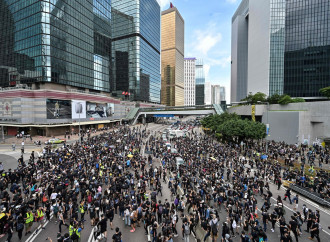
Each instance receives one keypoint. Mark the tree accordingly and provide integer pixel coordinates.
(274, 99)
(230, 127)
(325, 92)
(255, 98)
(285, 99)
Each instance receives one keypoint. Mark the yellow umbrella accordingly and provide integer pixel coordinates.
(213, 158)
(130, 156)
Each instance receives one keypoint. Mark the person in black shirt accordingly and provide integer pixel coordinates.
(117, 236)
(315, 231)
(103, 226)
(286, 237)
(294, 227)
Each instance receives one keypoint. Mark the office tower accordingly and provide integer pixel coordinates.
(222, 94)
(200, 82)
(216, 94)
(307, 48)
(56, 42)
(93, 45)
(208, 93)
(136, 49)
(280, 46)
(257, 47)
(189, 81)
(172, 57)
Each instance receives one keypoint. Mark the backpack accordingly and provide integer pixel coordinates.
(74, 236)
(247, 238)
(117, 238)
(19, 226)
(160, 209)
(186, 229)
(55, 209)
(214, 228)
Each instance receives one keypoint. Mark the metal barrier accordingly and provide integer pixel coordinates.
(315, 197)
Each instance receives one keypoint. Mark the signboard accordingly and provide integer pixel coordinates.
(7, 108)
(110, 109)
(78, 109)
(163, 115)
(58, 109)
(96, 110)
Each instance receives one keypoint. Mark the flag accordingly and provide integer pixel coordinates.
(171, 5)
(123, 93)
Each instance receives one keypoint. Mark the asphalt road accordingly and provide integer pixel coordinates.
(51, 227)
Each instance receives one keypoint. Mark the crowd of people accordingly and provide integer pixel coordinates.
(108, 175)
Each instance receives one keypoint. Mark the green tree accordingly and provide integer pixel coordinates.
(285, 99)
(255, 98)
(325, 92)
(298, 100)
(274, 99)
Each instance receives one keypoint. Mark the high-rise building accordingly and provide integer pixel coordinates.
(97, 45)
(200, 82)
(208, 93)
(189, 81)
(280, 46)
(216, 94)
(172, 57)
(307, 48)
(222, 94)
(56, 42)
(257, 48)
(136, 49)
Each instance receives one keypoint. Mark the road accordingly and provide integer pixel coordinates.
(51, 227)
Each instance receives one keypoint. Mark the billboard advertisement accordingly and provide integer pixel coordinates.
(78, 109)
(96, 110)
(58, 109)
(110, 109)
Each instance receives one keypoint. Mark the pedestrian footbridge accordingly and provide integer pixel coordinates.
(137, 113)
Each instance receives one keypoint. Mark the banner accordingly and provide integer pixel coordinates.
(96, 110)
(110, 109)
(253, 112)
(78, 109)
(58, 109)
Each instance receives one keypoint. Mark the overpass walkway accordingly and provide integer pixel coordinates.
(135, 113)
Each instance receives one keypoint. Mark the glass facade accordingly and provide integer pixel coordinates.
(200, 82)
(136, 49)
(277, 44)
(103, 45)
(66, 42)
(172, 62)
(307, 47)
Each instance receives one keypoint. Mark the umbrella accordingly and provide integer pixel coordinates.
(106, 145)
(213, 158)
(130, 155)
(112, 146)
(264, 157)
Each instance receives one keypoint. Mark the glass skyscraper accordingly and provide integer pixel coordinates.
(65, 42)
(307, 47)
(101, 45)
(280, 47)
(136, 49)
(277, 44)
(200, 82)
